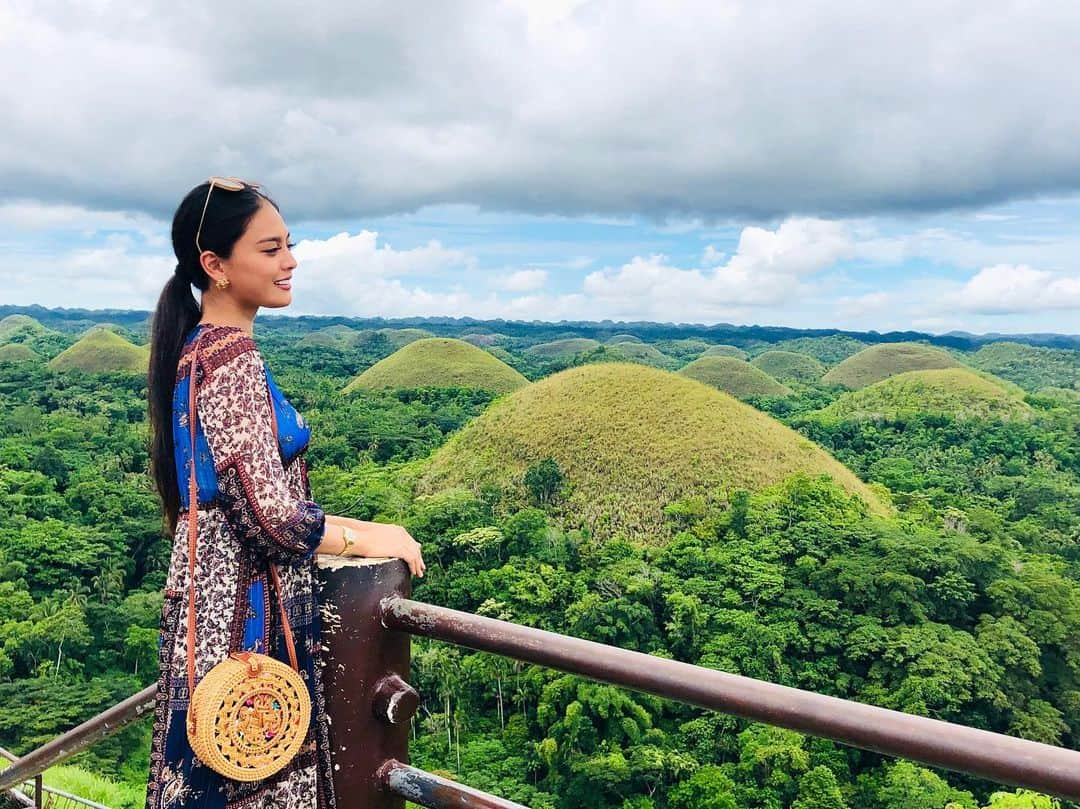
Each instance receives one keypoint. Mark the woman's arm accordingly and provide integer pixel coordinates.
(372, 539)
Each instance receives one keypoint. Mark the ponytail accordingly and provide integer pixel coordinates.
(176, 314)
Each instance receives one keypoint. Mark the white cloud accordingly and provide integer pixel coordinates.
(765, 270)
(870, 303)
(522, 281)
(711, 257)
(677, 111)
(1009, 289)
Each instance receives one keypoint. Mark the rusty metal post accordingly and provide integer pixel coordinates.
(368, 699)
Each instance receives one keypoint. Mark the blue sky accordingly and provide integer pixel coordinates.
(567, 159)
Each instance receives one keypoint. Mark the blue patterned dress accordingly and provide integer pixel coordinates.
(254, 508)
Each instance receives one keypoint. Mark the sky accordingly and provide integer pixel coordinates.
(823, 164)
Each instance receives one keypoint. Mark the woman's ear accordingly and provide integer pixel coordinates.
(212, 265)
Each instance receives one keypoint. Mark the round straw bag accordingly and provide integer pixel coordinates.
(249, 715)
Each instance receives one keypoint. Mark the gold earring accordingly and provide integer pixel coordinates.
(222, 283)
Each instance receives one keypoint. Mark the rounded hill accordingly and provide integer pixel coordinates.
(881, 361)
(17, 352)
(402, 337)
(734, 376)
(337, 336)
(789, 366)
(623, 338)
(19, 326)
(102, 350)
(641, 352)
(629, 440)
(1031, 367)
(956, 392)
(567, 347)
(724, 350)
(437, 362)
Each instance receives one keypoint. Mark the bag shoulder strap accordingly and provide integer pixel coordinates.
(193, 531)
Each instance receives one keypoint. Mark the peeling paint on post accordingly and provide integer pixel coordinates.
(360, 656)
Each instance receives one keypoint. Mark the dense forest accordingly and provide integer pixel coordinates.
(948, 585)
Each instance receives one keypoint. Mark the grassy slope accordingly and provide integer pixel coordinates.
(402, 337)
(641, 352)
(830, 350)
(17, 352)
(102, 350)
(723, 350)
(562, 348)
(630, 439)
(734, 376)
(957, 392)
(13, 325)
(887, 359)
(440, 362)
(337, 336)
(789, 366)
(1031, 367)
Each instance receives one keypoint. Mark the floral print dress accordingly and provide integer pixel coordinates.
(254, 508)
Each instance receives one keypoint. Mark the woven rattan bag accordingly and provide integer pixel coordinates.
(250, 713)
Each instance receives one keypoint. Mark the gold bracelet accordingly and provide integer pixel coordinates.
(349, 537)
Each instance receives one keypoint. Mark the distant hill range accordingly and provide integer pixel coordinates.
(71, 321)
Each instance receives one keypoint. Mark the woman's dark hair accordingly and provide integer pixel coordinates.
(227, 216)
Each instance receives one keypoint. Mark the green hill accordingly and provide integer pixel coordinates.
(956, 392)
(723, 350)
(734, 376)
(402, 337)
(630, 440)
(623, 338)
(17, 352)
(16, 328)
(483, 340)
(830, 349)
(643, 353)
(102, 350)
(1030, 367)
(686, 349)
(887, 359)
(436, 362)
(337, 336)
(788, 366)
(566, 347)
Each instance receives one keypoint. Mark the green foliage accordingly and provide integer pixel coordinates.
(544, 480)
(1030, 367)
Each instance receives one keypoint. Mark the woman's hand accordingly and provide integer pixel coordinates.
(392, 540)
(382, 539)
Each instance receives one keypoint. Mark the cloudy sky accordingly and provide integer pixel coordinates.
(827, 163)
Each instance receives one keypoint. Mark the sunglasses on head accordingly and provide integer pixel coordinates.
(225, 184)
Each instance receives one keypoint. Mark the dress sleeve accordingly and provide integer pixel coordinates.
(259, 504)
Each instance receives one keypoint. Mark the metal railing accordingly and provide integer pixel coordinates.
(370, 704)
(35, 793)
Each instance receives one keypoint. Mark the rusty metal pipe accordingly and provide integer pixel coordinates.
(77, 739)
(1005, 759)
(428, 789)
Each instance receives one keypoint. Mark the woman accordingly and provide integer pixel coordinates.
(254, 502)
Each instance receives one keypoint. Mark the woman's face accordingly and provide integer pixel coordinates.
(261, 265)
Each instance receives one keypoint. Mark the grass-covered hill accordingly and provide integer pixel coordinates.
(337, 336)
(643, 353)
(1030, 367)
(630, 440)
(685, 349)
(17, 352)
(439, 362)
(734, 376)
(955, 392)
(724, 350)
(14, 327)
(829, 349)
(623, 338)
(566, 347)
(483, 339)
(102, 350)
(788, 366)
(402, 337)
(887, 359)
